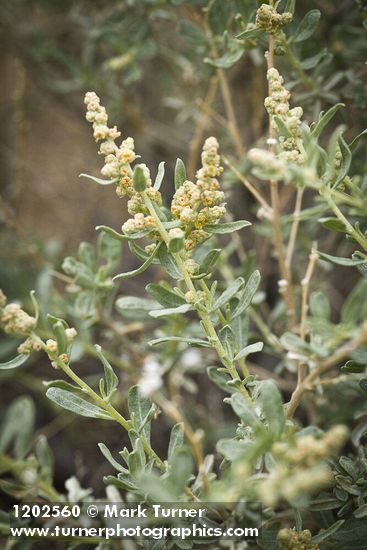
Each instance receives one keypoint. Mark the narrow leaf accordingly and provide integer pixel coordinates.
(111, 378)
(325, 119)
(342, 261)
(74, 403)
(345, 160)
(156, 313)
(248, 293)
(140, 269)
(194, 342)
(14, 363)
(250, 34)
(224, 228)
(307, 26)
(252, 348)
(229, 293)
(168, 263)
(119, 236)
(180, 173)
(98, 180)
(164, 296)
(326, 533)
(159, 177)
(176, 439)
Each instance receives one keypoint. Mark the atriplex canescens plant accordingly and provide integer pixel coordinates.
(270, 458)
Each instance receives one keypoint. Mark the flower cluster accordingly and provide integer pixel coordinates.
(289, 539)
(302, 468)
(13, 319)
(278, 104)
(117, 166)
(267, 165)
(268, 19)
(199, 204)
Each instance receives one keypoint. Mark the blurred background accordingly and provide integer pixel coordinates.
(147, 60)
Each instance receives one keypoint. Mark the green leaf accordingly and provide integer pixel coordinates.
(107, 454)
(220, 379)
(111, 378)
(139, 179)
(250, 34)
(326, 533)
(227, 60)
(194, 342)
(176, 439)
(311, 62)
(325, 118)
(333, 224)
(210, 260)
(17, 426)
(353, 367)
(232, 449)
(84, 304)
(98, 180)
(140, 252)
(168, 263)
(139, 408)
(244, 411)
(363, 384)
(140, 269)
(133, 307)
(164, 295)
(342, 261)
(61, 338)
(119, 236)
(345, 161)
(353, 144)
(87, 255)
(272, 406)
(229, 293)
(45, 458)
(180, 173)
(159, 177)
(76, 404)
(307, 26)
(248, 293)
(283, 129)
(62, 384)
(252, 348)
(224, 228)
(226, 337)
(14, 363)
(156, 313)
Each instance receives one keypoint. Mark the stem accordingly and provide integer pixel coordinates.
(362, 241)
(324, 366)
(305, 283)
(285, 272)
(294, 228)
(202, 311)
(258, 196)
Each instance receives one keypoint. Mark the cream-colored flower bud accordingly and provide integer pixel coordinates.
(107, 147)
(100, 132)
(190, 297)
(51, 346)
(71, 333)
